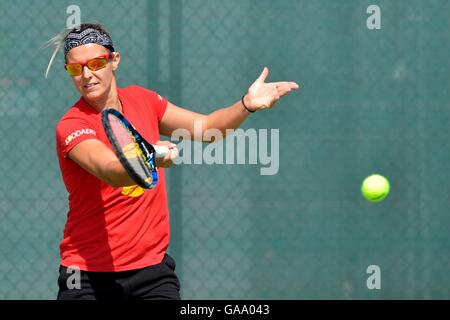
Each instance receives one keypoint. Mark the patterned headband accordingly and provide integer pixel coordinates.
(90, 35)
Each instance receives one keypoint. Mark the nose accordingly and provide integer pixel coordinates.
(86, 72)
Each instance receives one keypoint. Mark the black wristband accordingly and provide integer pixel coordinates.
(245, 105)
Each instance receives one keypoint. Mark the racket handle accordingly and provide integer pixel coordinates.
(160, 151)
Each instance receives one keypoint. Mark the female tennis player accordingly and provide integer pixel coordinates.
(117, 234)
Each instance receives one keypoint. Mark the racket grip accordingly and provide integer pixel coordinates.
(160, 151)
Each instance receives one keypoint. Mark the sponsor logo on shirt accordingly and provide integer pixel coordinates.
(78, 133)
(133, 191)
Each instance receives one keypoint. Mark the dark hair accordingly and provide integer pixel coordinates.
(85, 26)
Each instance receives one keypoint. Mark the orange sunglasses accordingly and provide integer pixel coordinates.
(76, 68)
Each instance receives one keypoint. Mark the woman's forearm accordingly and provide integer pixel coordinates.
(227, 118)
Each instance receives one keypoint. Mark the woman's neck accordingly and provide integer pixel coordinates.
(111, 101)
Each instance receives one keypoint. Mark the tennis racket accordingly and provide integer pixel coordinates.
(136, 155)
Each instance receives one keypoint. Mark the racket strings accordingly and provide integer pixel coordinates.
(130, 148)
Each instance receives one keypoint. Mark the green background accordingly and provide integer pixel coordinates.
(371, 101)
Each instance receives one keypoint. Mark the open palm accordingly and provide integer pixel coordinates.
(262, 95)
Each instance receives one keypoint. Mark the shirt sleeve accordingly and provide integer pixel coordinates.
(161, 106)
(156, 102)
(72, 131)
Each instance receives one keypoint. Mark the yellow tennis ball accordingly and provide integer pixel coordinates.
(375, 188)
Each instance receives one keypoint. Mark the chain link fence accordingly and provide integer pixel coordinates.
(370, 101)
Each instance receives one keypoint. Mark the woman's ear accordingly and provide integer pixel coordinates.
(115, 60)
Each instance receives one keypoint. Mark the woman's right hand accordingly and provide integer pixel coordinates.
(167, 160)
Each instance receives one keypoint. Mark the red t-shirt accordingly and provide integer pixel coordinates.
(112, 229)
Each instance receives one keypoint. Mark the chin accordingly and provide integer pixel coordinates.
(93, 95)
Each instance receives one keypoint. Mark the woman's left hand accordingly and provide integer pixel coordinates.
(263, 95)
